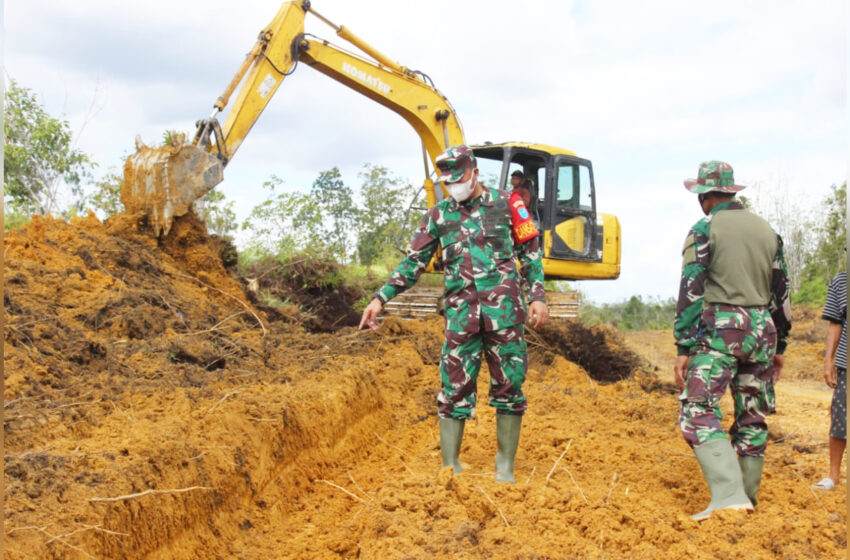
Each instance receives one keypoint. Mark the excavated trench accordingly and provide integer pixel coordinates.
(153, 411)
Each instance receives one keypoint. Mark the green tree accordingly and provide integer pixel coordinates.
(106, 197)
(13, 219)
(284, 224)
(40, 159)
(833, 232)
(828, 256)
(336, 200)
(384, 219)
(218, 214)
(636, 313)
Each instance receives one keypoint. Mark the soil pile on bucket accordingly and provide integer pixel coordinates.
(153, 411)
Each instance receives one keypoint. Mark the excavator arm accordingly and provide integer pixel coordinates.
(163, 182)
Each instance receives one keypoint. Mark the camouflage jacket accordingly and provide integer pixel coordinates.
(483, 287)
(697, 272)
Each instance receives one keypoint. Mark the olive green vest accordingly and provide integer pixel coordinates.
(742, 248)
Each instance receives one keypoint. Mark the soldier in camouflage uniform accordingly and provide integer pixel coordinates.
(482, 233)
(731, 327)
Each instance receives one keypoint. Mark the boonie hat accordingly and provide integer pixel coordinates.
(454, 162)
(713, 176)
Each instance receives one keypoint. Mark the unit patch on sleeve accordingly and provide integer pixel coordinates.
(523, 226)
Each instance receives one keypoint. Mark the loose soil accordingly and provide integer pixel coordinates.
(311, 290)
(153, 411)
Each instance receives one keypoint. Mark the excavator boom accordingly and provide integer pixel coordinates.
(162, 182)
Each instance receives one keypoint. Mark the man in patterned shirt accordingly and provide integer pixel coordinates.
(732, 321)
(835, 375)
(481, 233)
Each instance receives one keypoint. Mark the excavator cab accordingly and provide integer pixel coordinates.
(578, 243)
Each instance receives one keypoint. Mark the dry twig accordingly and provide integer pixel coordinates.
(9, 403)
(221, 400)
(532, 474)
(88, 528)
(28, 527)
(816, 497)
(494, 505)
(548, 476)
(355, 496)
(217, 325)
(245, 305)
(615, 481)
(399, 449)
(151, 491)
(576, 484)
(351, 478)
(57, 538)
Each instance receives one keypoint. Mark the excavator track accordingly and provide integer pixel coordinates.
(416, 302)
(423, 302)
(562, 305)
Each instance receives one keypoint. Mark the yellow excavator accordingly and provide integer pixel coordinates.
(163, 182)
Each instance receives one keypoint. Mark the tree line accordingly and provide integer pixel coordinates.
(814, 240)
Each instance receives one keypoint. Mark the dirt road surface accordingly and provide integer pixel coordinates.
(154, 411)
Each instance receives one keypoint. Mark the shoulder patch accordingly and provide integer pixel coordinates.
(523, 226)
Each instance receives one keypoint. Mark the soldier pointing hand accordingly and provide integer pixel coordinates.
(482, 233)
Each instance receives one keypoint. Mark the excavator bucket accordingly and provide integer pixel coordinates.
(163, 182)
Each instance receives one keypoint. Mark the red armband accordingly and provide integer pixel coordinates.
(521, 222)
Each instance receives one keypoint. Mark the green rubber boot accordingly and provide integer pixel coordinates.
(451, 434)
(507, 435)
(723, 475)
(751, 468)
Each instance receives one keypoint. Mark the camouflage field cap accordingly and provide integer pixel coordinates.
(454, 162)
(713, 176)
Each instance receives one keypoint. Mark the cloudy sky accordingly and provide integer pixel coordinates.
(646, 90)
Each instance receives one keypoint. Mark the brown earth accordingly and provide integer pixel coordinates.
(153, 411)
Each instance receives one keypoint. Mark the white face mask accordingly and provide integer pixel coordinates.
(462, 190)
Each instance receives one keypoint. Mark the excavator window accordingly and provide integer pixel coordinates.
(489, 171)
(574, 187)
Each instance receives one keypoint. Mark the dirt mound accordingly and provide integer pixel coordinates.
(313, 286)
(807, 325)
(152, 411)
(600, 350)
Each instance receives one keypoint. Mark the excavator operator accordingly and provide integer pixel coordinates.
(482, 233)
(517, 178)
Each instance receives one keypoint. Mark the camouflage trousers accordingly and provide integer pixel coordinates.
(507, 358)
(735, 350)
